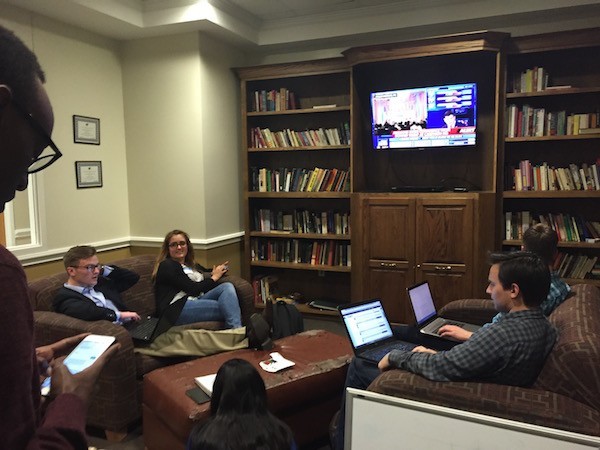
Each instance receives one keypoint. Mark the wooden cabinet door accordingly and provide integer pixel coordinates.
(388, 243)
(444, 247)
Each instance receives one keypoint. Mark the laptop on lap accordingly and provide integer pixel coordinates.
(428, 321)
(369, 330)
(149, 328)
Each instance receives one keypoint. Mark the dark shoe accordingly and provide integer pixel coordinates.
(258, 333)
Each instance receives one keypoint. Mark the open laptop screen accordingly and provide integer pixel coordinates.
(422, 302)
(366, 323)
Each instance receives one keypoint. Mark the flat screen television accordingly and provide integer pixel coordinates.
(424, 117)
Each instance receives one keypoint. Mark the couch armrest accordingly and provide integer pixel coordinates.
(245, 295)
(527, 405)
(116, 399)
(475, 311)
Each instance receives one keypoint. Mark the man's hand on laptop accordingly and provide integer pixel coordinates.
(452, 331)
(384, 364)
(128, 316)
(421, 349)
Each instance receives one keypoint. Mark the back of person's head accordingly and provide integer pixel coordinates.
(541, 240)
(238, 388)
(19, 67)
(528, 271)
(77, 253)
(240, 419)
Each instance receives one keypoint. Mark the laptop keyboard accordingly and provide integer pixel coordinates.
(144, 329)
(377, 353)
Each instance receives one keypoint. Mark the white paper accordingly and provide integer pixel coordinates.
(276, 363)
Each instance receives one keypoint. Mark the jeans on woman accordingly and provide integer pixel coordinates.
(218, 304)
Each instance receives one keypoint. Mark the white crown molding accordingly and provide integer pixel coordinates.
(30, 257)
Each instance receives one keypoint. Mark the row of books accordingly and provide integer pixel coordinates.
(301, 221)
(299, 180)
(325, 253)
(530, 80)
(528, 121)
(265, 287)
(274, 100)
(568, 227)
(577, 266)
(542, 177)
(321, 137)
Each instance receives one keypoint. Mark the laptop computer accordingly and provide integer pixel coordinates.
(428, 321)
(369, 330)
(149, 328)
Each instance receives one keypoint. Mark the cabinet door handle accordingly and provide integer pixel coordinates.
(446, 268)
(387, 264)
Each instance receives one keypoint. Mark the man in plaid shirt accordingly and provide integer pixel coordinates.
(510, 351)
(543, 241)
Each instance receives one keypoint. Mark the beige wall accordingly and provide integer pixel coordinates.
(83, 74)
(169, 120)
(182, 141)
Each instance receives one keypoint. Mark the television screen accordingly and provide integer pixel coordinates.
(416, 118)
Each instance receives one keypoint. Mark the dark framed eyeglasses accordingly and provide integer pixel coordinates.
(178, 244)
(90, 267)
(49, 154)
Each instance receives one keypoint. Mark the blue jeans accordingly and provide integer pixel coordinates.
(218, 304)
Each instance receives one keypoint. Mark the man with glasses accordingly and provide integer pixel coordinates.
(93, 291)
(26, 122)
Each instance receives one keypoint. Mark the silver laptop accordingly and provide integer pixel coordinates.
(369, 331)
(428, 321)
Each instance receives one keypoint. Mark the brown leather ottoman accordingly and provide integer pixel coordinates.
(304, 396)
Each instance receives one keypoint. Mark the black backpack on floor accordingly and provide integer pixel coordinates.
(287, 320)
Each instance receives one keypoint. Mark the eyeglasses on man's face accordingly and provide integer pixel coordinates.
(178, 244)
(91, 267)
(49, 152)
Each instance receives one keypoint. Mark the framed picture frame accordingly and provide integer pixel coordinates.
(89, 174)
(86, 130)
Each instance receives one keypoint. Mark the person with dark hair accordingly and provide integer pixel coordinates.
(450, 121)
(26, 122)
(177, 275)
(239, 418)
(541, 240)
(93, 291)
(511, 351)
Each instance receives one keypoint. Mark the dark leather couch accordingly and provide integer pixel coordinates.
(117, 402)
(566, 394)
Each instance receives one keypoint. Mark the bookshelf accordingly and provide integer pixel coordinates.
(553, 126)
(297, 166)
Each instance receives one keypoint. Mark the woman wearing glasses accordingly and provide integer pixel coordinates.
(176, 276)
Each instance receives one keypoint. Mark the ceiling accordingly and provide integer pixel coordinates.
(314, 24)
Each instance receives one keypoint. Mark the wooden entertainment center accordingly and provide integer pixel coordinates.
(310, 119)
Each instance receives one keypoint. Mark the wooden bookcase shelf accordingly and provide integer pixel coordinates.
(552, 194)
(298, 111)
(310, 236)
(400, 239)
(565, 57)
(561, 244)
(295, 149)
(322, 100)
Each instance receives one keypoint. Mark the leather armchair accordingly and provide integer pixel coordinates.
(117, 401)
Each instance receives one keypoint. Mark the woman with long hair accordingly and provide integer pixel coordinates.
(239, 418)
(178, 276)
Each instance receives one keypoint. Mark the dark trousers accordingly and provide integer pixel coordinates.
(362, 373)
